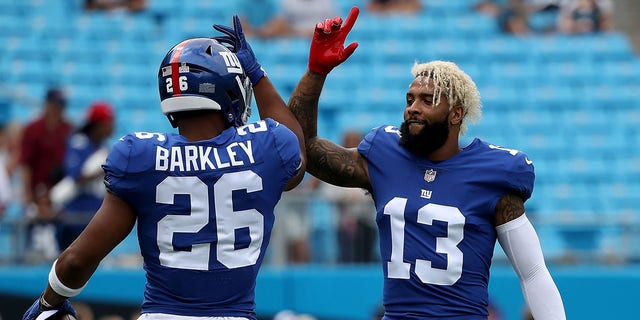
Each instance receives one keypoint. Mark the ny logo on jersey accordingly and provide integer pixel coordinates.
(430, 175)
(425, 193)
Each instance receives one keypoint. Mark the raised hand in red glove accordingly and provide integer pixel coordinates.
(327, 46)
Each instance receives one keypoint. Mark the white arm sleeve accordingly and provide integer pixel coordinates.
(522, 246)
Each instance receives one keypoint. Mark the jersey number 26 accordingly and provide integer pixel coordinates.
(227, 221)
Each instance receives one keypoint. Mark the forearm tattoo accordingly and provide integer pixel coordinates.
(326, 160)
(336, 164)
(508, 208)
(304, 103)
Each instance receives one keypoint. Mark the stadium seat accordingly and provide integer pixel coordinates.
(468, 26)
(502, 48)
(614, 46)
(620, 72)
(518, 74)
(448, 7)
(574, 73)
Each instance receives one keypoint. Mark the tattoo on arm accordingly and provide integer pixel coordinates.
(337, 165)
(508, 208)
(326, 160)
(303, 102)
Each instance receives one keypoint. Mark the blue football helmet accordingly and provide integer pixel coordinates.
(202, 74)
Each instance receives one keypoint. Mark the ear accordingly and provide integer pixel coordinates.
(456, 115)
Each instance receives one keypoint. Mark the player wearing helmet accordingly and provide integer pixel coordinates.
(203, 198)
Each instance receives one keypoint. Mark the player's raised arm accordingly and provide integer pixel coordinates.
(327, 160)
(268, 100)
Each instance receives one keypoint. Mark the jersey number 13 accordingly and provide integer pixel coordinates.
(398, 269)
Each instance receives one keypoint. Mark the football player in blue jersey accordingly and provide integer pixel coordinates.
(202, 198)
(440, 206)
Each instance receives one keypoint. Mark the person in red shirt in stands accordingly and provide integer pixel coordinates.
(43, 146)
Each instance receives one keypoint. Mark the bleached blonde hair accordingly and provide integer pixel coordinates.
(456, 85)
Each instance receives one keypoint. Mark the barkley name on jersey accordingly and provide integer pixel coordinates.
(204, 212)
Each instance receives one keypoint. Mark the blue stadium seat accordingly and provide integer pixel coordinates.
(500, 95)
(620, 72)
(514, 73)
(554, 95)
(599, 141)
(500, 48)
(367, 27)
(574, 73)
(613, 46)
(627, 166)
(555, 47)
(469, 26)
(449, 49)
(585, 119)
(420, 28)
(605, 96)
(290, 51)
(14, 25)
(448, 7)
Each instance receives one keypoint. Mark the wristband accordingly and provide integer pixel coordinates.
(58, 286)
(44, 302)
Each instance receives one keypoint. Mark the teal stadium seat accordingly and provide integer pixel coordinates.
(502, 48)
(448, 7)
(613, 46)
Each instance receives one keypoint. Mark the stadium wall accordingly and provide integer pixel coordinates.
(346, 293)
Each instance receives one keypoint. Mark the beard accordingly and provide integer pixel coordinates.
(430, 138)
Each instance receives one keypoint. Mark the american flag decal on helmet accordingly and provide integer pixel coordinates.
(429, 175)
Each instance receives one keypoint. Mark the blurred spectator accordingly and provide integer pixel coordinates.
(256, 15)
(290, 315)
(81, 191)
(293, 18)
(290, 235)
(130, 5)
(6, 157)
(83, 310)
(514, 18)
(522, 17)
(586, 16)
(42, 229)
(42, 147)
(394, 6)
(10, 136)
(489, 7)
(356, 216)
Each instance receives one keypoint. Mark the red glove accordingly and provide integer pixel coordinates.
(327, 46)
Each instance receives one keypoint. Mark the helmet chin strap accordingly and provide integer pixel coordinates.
(172, 120)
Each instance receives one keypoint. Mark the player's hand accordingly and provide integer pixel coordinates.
(37, 311)
(239, 45)
(327, 46)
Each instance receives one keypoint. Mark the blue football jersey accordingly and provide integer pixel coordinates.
(435, 220)
(204, 212)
